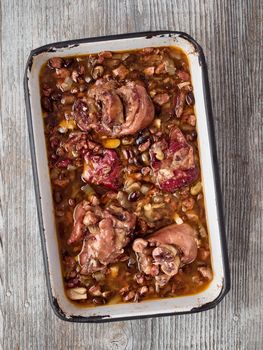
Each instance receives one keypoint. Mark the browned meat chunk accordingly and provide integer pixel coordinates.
(173, 164)
(165, 251)
(114, 111)
(105, 231)
(182, 236)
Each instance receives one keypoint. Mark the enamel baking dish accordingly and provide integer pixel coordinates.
(220, 284)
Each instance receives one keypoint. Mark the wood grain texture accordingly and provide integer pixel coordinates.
(230, 33)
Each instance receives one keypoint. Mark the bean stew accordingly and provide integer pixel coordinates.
(122, 146)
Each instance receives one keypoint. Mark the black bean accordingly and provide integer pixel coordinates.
(133, 196)
(141, 139)
(158, 109)
(131, 262)
(68, 62)
(120, 216)
(192, 136)
(190, 100)
(142, 76)
(52, 121)
(98, 301)
(138, 161)
(46, 104)
(58, 197)
(46, 90)
(56, 96)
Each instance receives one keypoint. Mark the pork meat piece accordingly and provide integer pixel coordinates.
(114, 111)
(165, 251)
(139, 110)
(104, 232)
(173, 162)
(102, 168)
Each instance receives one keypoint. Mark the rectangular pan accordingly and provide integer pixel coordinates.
(220, 284)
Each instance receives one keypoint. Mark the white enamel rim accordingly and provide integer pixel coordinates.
(60, 303)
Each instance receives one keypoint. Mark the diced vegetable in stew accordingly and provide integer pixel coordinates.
(124, 166)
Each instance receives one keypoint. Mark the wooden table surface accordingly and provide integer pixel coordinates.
(230, 33)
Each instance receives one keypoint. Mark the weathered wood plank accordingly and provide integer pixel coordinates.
(230, 33)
